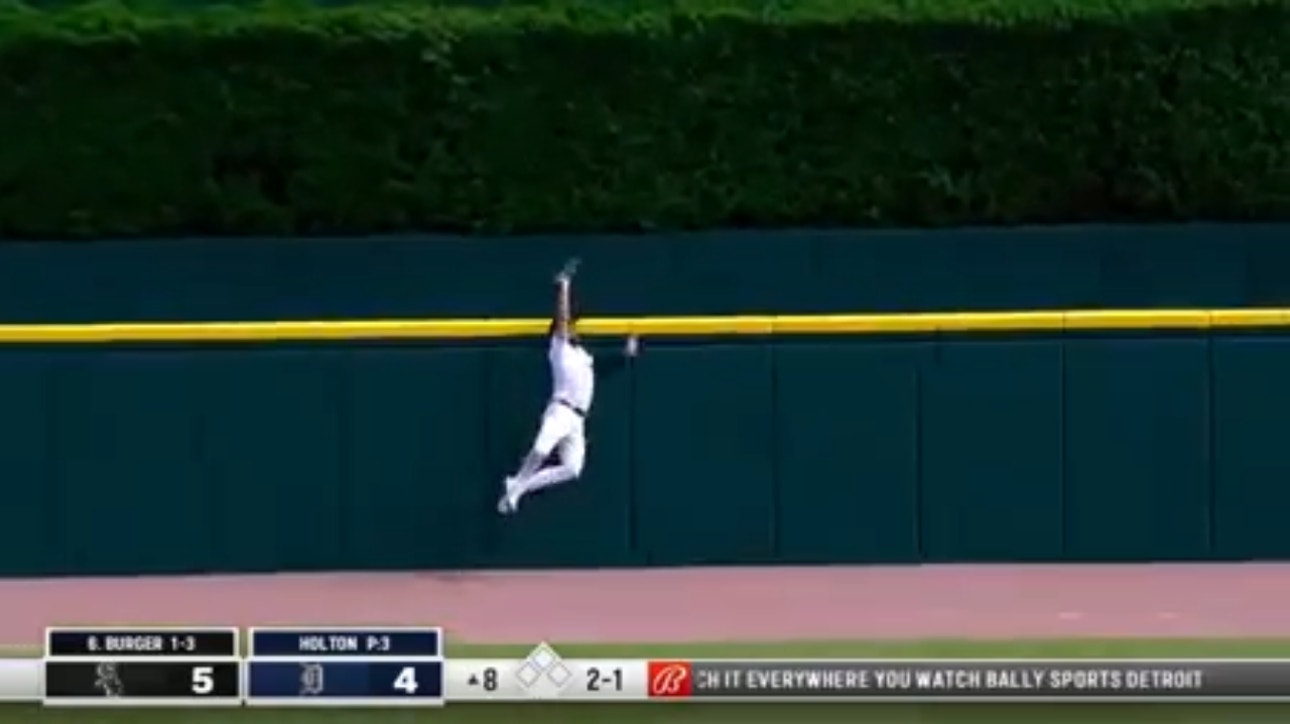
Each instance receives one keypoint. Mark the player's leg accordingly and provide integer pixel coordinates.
(551, 429)
(557, 422)
(572, 454)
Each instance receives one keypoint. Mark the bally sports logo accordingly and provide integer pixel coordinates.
(670, 679)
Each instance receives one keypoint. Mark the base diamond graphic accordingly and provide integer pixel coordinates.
(543, 657)
(543, 674)
(559, 675)
(528, 675)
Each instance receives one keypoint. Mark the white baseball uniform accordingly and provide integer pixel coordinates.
(563, 429)
(573, 384)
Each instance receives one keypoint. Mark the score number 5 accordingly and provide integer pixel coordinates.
(203, 679)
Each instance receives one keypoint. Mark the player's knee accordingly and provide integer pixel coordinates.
(574, 468)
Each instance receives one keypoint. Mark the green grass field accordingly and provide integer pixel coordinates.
(768, 713)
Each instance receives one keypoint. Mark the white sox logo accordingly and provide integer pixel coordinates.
(669, 679)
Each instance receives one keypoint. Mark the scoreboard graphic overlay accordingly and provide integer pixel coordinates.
(406, 667)
(142, 667)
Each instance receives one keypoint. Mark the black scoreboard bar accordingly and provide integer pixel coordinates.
(113, 643)
(188, 682)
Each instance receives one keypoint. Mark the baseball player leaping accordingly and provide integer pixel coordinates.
(573, 383)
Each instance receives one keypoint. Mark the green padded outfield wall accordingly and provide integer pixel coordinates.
(1116, 448)
(1126, 446)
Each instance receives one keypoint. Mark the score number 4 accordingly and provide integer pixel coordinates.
(406, 681)
(421, 680)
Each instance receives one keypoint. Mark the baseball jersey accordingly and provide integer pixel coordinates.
(573, 377)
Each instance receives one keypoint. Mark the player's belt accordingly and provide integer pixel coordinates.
(580, 412)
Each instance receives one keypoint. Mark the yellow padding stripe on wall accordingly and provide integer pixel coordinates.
(720, 326)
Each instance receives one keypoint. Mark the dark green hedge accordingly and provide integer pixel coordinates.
(117, 121)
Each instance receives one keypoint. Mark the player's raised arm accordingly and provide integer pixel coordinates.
(561, 327)
(563, 282)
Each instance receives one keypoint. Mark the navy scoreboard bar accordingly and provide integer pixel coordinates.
(345, 667)
(381, 666)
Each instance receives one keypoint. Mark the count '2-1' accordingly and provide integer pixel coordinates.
(610, 679)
